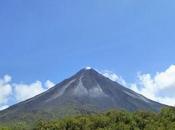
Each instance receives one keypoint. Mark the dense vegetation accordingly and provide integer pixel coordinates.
(112, 120)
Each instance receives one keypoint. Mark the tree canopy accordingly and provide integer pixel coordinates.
(111, 120)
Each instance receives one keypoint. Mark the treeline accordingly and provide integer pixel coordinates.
(112, 120)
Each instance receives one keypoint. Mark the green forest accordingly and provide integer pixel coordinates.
(110, 120)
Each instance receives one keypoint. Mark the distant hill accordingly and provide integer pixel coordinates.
(85, 92)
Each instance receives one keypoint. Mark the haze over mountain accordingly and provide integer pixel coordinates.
(85, 92)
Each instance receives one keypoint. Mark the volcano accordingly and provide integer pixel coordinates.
(85, 92)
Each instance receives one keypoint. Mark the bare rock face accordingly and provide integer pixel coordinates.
(85, 92)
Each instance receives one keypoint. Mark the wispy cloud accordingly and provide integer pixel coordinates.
(114, 77)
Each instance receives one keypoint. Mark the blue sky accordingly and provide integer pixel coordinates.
(52, 39)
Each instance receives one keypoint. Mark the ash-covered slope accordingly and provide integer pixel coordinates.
(86, 92)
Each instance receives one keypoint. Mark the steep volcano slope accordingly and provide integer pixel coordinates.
(85, 92)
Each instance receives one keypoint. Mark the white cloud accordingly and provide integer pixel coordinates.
(159, 87)
(5, 89)
(20, 91)
(3, 107)
(88, 68)
(7, 78)
(26, 91)
(49, 84)
(114, 77)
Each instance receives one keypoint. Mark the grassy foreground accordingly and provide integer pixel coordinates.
(111, 120)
